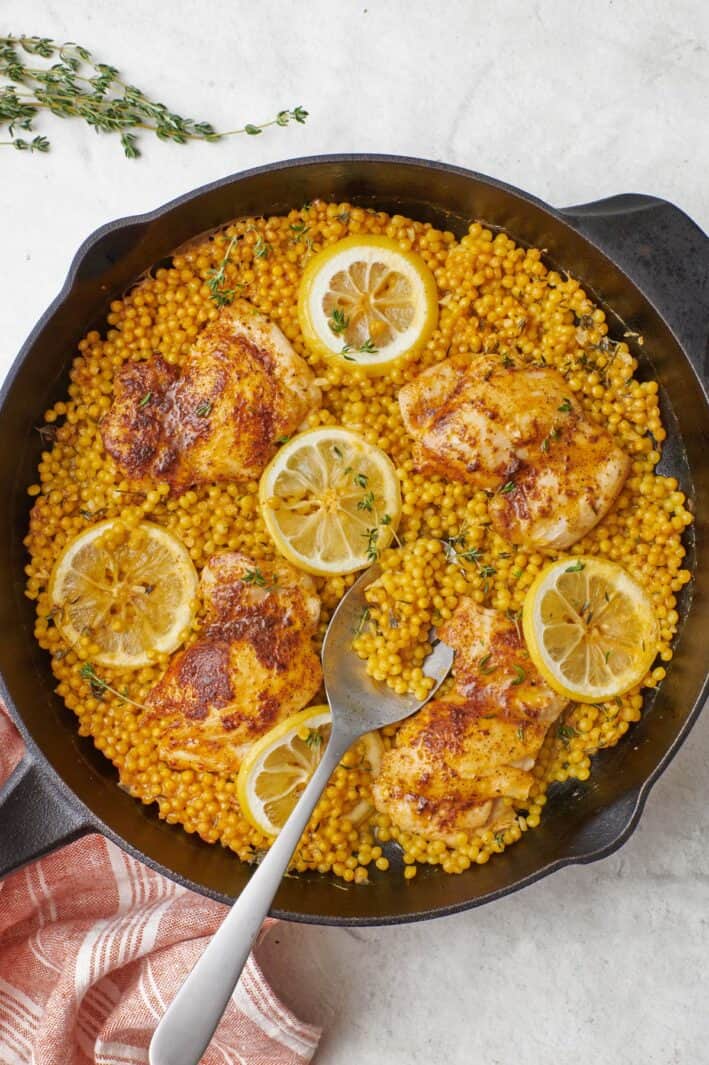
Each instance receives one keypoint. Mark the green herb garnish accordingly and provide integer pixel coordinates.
(99, 686)
(565, 733)
(338, 321)
(576, 567)
(367, 348)
(255, 577)
(262, 250)
(216, 279)
(313, 739)
(75, 85)
(372, 536)
(483, 666)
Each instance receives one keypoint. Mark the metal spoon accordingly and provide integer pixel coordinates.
(358, 705)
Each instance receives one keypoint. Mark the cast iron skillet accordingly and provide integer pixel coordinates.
(640, 256)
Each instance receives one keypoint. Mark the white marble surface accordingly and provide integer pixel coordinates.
(572, 102)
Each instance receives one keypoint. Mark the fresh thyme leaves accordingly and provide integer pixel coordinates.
(299, 229)
(367, 501)
(146, 399)
(262, 250)
(338, 321)
(553, 435)
(313, 739)
(361, 480)
(508, 488)
(255, 577)
(372, 536)
(216, 279)
(76, 85)
(282, 439)
(363, 619)
(520, 675)
(566, 733)
(487, 571)
(367, 348)
(385, 519)
(338, 451)
(576, 567)
(37, 144)
(484, 665)
(500, 839)
(99, 686)
(565, 407)
(204, 409)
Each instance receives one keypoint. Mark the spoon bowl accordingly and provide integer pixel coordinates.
(357, 701)
(359, 704)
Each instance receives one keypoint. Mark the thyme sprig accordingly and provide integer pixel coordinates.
(99, 686)
(216, 279)
(76, 85)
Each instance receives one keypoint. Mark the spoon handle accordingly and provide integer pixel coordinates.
(191, 1019)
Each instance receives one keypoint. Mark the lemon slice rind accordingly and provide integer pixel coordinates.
(314, 508)
(66, 581)
(610, 635)
(317, 719)
(373, 252)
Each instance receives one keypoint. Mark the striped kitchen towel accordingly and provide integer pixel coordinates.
(93, 945)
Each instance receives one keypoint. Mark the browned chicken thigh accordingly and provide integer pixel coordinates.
(516, 431)
(252, 665)
(462, 761)
(242, 389)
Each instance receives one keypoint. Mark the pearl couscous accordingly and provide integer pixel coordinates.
(493, 296)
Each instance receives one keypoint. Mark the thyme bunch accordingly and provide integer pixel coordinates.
(76, 85)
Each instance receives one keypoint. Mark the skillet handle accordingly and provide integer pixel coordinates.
(665, 253)
(34, 817)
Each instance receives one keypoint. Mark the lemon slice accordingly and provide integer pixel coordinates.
(589, 628)
(130, 592)
(330, 501)
(365, 301)
(279, 765)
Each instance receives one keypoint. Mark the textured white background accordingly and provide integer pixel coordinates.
(572, 102)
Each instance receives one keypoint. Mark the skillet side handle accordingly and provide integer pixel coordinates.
(665, 253)
(34, 817)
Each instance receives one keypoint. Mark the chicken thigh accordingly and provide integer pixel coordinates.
(242, 389)
(516, 431)
(252, 665)
(462, 761)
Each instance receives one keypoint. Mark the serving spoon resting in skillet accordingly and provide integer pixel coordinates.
(358, 705)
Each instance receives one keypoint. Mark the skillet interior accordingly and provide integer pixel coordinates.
(582, 820)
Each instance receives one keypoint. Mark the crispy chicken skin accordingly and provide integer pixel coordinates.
(460, 762)
(241, 390)
(516, 431)
(252, 665)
